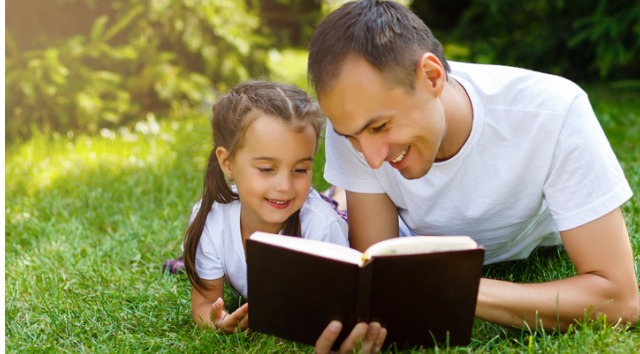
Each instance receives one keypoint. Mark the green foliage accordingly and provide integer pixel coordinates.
(152, 56)
(614, 33)
(289, 22)
(581, 40)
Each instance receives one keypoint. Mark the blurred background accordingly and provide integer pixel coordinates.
(86, 65)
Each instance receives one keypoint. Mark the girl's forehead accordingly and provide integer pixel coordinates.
(266, 124)
(273, 135)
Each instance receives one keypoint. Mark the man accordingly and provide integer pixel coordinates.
(513, 158)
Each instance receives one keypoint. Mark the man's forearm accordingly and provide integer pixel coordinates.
(555, 304)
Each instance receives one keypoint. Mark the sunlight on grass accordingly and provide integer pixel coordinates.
(43, 161)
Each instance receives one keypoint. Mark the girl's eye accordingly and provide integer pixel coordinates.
(265, 169)
(301, 171)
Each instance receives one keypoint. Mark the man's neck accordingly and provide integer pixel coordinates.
(458, 119)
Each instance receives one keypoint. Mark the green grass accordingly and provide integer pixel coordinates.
(90, 219)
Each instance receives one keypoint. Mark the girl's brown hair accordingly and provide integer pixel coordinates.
(232, 115)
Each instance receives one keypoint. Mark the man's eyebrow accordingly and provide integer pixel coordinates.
(369, 123)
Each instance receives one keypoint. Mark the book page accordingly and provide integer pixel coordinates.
(314, 247)
(419, 244)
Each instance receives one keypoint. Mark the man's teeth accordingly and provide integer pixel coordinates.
(401, 156)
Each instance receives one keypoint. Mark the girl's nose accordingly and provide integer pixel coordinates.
(284, 181)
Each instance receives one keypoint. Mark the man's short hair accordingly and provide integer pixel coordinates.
(385, 33)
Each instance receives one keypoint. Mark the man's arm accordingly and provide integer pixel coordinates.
(605, 283)
(372, 218)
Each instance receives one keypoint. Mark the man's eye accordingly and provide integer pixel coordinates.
(379, 128)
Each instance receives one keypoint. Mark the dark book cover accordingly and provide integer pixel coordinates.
(426, 299)
(421, 299)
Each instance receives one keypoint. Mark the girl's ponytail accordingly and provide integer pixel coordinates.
(292, 226)
(214, 182)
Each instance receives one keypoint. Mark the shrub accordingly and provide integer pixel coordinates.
(139, 57)
(582, 40)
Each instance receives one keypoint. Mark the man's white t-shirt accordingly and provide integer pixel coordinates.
(536, 161)
(221, 254)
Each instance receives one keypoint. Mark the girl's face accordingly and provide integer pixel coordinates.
(272, 172)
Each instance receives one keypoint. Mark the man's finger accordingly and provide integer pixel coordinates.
(355, 338)
(380, 340)
(370, 337)
(328, 337)
(369, 344)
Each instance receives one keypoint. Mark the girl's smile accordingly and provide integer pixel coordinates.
(279, 204)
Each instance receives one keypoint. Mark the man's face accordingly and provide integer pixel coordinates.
(386, 122)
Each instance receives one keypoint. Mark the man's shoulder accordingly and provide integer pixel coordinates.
(502, 85)
(503, 73)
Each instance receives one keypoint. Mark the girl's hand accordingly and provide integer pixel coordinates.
(229, 322)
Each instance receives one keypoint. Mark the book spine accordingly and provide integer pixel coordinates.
(363, 296)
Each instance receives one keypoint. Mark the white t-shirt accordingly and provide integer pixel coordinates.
(220, 252)
(536, 161)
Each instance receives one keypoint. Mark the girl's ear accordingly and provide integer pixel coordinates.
(224, 161)
(431, 71)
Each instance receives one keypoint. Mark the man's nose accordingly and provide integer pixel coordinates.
(374, 150)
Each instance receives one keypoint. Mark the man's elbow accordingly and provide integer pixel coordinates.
(627, 309)
(631, 313)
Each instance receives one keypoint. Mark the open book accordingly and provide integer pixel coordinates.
(422, 289)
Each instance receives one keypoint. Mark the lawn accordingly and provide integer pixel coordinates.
(90, 219)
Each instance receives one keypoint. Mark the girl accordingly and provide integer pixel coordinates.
(265, 137)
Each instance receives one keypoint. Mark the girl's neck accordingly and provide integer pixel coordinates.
(247, 229)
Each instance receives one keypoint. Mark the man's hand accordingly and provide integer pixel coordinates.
(229, 322)
(364, 338)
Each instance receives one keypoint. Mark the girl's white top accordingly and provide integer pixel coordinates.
(221, 254)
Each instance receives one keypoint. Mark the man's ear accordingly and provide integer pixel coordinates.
(224, 161)
(431, 72)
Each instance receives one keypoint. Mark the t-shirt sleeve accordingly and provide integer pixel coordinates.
(320, 222)
(347, 168)
(585, 180)
(208, 263)
(333, 232)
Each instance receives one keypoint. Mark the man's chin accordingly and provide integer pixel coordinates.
(412, 174)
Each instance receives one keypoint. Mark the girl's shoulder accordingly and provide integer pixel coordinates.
(316, 204)
(320, 220)
(219, 212)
